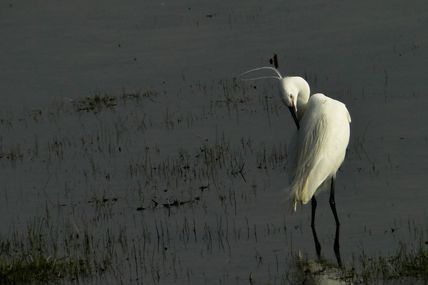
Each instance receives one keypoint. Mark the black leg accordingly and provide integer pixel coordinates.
(314, 233)
(336, 218)
(333, 203)
(337, 246)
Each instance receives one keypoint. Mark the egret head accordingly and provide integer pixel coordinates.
(295, 94)
(293, 90)
(289, 93)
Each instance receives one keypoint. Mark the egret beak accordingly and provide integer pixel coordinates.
(294, 115)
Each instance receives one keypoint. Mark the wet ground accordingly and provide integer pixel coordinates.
(128, 142)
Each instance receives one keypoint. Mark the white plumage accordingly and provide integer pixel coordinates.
(318, 147)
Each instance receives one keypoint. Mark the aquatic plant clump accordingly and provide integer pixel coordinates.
(404, 265)
(41, 268)
(95, 103)
(99, 101)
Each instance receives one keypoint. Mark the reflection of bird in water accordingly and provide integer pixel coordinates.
(318, 146)
(320, 273)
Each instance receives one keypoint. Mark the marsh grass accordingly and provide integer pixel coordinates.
(95, 103)
(156, 187)
(34, 257)
(40, 268)
(405, 264)
(100, 101)
(139, 94)
(14, 154)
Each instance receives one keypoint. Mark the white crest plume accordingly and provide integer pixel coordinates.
(279, 76)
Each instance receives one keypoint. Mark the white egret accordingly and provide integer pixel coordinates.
(319, 145)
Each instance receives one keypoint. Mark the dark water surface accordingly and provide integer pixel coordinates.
(178, 129)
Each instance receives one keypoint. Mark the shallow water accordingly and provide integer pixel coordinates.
(217, 145)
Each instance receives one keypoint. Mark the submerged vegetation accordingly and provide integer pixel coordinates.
(41, 268)
(157, 187)
(99, 101)
(406, 264)
(33, 256)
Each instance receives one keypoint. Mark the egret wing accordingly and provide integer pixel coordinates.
(321, 146)
(309, 173)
